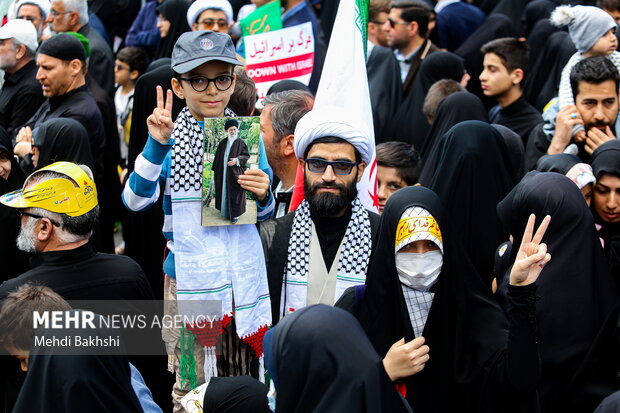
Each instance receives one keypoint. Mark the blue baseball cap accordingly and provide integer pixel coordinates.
(193, 49)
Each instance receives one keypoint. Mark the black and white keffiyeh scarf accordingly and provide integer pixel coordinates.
(217, 263)
(352, 263)
(187, 152)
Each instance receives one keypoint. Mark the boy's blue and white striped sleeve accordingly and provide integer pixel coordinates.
(152, 166)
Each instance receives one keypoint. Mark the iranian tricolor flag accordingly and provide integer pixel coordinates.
(344, 87)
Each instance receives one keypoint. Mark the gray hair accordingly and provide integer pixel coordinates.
(72, 229)
(29, 52)
(286, 109)
(79, 6)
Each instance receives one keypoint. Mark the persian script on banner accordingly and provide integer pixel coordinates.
(279, 55)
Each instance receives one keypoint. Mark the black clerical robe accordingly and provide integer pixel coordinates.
(275, 235)
(235, 195)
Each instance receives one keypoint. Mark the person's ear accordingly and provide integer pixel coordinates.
(360, 170)
(45, 230)
(517, 76)
(177, 88)
(133, 75)
(286, 145)
(76, 66)
(194, 27)
(413, 28)
(74, 18)
(20, 51)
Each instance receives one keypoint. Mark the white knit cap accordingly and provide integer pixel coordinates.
(324, 122)
(417, 224)
(581, 174)
(586, 24)
(44, 5)
(199, 6)
(21, 30)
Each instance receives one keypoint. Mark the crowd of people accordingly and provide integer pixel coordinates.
(484, 276)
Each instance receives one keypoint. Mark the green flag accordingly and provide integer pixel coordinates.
(264, 19)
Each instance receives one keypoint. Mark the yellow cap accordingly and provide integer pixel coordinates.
(74, 195)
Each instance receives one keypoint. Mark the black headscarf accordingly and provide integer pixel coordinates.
(466, 330)
(606, 159)
(58, 382)
(485, 5)
(513, 9)
(542, 82)
(176, 12)
(494, 27)
(324, 362)
(238, 394)
(472, 175)
(576, 291)
(62, 139)
(534, 12)
(537, 39)
(560, 163)
(409, 123)
(456, 108)
(13, 261)
(516, 151)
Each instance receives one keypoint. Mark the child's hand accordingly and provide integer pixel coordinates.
(405, 359)
(160, 121)
(255, 181)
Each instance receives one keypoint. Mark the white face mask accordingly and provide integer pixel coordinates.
(419, 271)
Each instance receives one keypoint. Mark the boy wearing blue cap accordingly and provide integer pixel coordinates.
(204, 263)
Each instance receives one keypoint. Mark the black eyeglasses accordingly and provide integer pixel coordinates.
(55, 13)
(209, 23)
(318, 166)
(201, 83)
(393, 23)
(21, 213)
(119, 68)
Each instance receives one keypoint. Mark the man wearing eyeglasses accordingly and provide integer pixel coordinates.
(72, 16)
(59, 211)
(35, 11)
(322, 248)
(214, 15)
(407, 30)
(384, 79)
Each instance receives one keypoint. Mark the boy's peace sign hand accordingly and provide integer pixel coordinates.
(160, 121)
(532, 255)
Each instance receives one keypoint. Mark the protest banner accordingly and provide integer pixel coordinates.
(279, 55)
